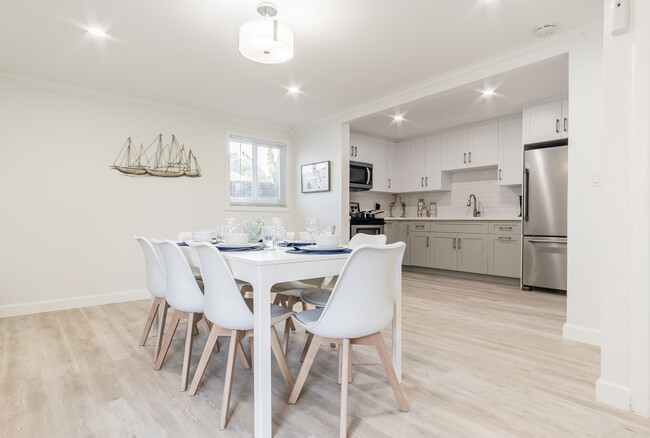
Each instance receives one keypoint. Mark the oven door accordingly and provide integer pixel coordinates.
(366, 229)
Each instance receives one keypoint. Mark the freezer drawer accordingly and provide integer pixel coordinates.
(544, 262)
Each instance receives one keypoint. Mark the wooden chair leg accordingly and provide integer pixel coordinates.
(310, 337)
(384, 356)
(304, 370)
(285, 338)
(205, 357)
(304, 306)
(281, 358)
(187, 356)
(227, 384)
(176, 317)
(162, 316)
(345, 350)
(149, 322)
(251, 342)
(242, 356)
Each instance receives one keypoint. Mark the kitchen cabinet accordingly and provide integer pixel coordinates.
(510, 160)
(546, 121)
(504, 249)
(420, 242)
(473, 147)
(398, 231)
(460, 252)
(378, 151)
(399, 165)
(417, 164)
(393, 169)
(359, 148)
(425, 172)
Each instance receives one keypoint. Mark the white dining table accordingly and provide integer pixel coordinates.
(263, 269)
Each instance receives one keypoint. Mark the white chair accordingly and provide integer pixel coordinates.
(231, 314)
(185, 298)
(192, 259)
(318, 296)
(361, 305)
(156, 285)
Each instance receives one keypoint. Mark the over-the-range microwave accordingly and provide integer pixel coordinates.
(360, 176)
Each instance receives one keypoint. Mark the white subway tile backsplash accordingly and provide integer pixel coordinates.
(493, 200)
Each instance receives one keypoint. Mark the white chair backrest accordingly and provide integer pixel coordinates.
(362, 300)
(189, 255)
(371, 239)
(183, 293)
(224, 304)
(155, 269)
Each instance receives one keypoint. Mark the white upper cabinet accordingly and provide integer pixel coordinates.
(546, 121)
(482, 145)
(510, 165)
(399, 156)
(454, 150)
(359, 148)
(472, 147)
(379, 159)
(434, 178)
(418, 170)
(391, 167)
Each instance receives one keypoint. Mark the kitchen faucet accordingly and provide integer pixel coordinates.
(475, 212)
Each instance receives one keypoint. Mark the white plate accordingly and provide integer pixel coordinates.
(188, 241)
(324, 248)
(236, 245)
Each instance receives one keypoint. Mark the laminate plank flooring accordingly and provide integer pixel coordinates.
(480, 360)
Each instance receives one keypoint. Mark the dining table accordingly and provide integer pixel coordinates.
(263, 269)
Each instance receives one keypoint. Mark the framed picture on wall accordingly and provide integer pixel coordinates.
(315, 177)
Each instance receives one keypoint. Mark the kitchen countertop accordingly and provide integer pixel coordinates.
(452, 218)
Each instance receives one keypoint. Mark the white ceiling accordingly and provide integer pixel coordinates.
(347, 52)
(466, 104)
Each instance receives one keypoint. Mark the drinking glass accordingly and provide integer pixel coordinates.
(219, 232)
(231, 225)
(268, 236)
(312, 227)
(329, 229)
(280, 233)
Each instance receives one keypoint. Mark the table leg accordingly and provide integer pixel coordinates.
(397, 332)
(262, 350)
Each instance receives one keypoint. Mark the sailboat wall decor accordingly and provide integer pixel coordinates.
(169, 161)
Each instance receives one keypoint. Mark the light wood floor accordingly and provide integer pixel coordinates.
(480, 360)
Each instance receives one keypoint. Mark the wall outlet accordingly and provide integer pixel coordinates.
(620, 14)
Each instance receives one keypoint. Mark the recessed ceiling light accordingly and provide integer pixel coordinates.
(398, 117)
(487, 92)
(294, 90)
(96, 32)
(544, 31)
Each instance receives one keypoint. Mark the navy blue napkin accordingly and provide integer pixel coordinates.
(293, 244)
(310, 251)
(254, 248)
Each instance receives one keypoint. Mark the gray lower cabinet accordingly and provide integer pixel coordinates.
(443, 254)
(421, 249)
(504, 249)
(460, 252)
(398, 231)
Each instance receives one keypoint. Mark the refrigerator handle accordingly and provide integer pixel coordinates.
(526, 182)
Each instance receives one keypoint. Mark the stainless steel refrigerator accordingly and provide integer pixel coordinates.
(544, 224)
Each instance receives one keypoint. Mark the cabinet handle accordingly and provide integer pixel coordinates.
(505, 237)
(389, 183)
(566, 125)
(427, 241)
(499, 174)
(419, 226)
(356, 151)
(459, 243)
(465, 158)
(454, 243)
(503, 227)
(470, 157)
(557, 126)
(422, 181)
(352, 151)
(426, 181)
(408, 230)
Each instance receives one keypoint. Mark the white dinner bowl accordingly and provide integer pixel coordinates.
(328, 240)
(202, 236)
(235, 238)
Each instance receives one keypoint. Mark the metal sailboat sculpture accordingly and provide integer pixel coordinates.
(169, 161)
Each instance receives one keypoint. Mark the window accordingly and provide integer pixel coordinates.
(256, 172)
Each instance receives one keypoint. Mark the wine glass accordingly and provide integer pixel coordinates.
(231, 225)
(268, 236)
(280, 233)
(311, 226)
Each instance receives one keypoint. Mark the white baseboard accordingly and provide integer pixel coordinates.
(581, 334)
(72, 303)
(613, 394)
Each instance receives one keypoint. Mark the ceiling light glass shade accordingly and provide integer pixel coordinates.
(266, 41)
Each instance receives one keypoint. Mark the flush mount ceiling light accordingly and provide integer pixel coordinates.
(96, 32)
(266, 41)
(398, 118)
(487, 92)
(544, 31)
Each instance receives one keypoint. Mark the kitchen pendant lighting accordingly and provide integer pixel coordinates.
(266, 41)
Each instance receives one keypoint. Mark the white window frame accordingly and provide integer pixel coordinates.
(243, 204)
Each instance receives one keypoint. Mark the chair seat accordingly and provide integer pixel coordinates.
(278, 313)
(315, 296)
(308, 318)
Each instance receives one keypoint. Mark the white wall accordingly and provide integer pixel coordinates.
(625, 346)
(323, 142)
(586, 207)
(68, 218)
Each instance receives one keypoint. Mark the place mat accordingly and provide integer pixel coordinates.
(254, 248)
(293, 244)
(311, 251)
